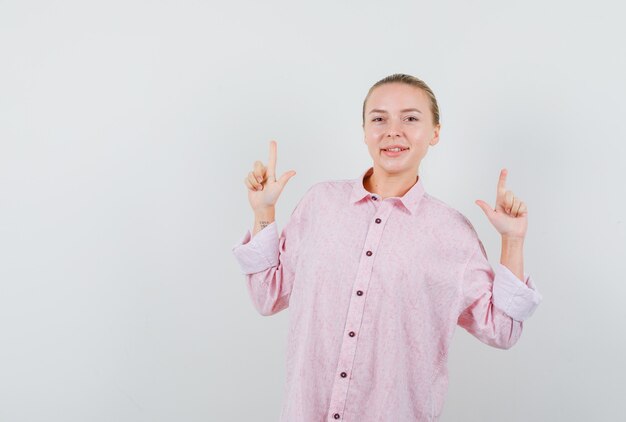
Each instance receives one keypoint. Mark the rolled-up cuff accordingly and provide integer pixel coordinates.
(258, 253)
(515, 298)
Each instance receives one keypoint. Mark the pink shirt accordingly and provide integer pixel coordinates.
(375, 290)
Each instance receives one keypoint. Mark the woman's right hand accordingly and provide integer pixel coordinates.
(264, 191)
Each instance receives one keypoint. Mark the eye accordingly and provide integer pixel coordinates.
(374, 119)
(413, 117)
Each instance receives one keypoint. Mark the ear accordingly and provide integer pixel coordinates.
(435, 139)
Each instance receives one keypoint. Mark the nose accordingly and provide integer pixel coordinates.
(393, 129)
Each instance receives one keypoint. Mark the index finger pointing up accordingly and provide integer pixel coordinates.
(271, 164)
(502, 182)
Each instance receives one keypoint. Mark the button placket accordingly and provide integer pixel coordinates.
(355, 311)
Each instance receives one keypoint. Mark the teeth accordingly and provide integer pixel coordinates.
(395, 149)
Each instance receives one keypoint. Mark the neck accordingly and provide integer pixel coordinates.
(389, 185)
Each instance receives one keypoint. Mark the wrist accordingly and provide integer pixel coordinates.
(512, 239)
(509, 242)
(262, 218)
(265, 213)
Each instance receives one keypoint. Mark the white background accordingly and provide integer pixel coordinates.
(126, 130)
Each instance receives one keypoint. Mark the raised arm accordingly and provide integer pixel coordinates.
(267, 259)
(495, 303)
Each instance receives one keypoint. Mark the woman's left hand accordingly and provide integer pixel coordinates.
(510, 216)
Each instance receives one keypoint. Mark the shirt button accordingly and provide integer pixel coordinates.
(351, 333)
(343, 375)
(359, 293)
(374, 198)
(378, 220)
(368, 253)
(336, 416)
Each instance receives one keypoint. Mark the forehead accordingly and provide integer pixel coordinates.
(397, 96)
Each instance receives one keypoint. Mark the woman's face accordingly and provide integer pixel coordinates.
(398, 114)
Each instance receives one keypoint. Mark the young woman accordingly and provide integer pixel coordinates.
(377, 273)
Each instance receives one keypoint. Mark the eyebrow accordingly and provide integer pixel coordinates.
(376, 110)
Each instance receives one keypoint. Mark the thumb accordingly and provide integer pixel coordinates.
(489, 212)
(285, 178)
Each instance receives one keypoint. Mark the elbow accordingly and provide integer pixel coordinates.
(507, 345)
(509, 336)
(270, 291)
(265, 312)
(270, 306)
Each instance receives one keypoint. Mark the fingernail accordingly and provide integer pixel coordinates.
(258, 179)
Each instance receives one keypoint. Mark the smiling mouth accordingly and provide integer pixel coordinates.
(394, 149)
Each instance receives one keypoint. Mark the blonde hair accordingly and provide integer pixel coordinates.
(412, 81)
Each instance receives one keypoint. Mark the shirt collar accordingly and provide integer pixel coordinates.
(410, 199)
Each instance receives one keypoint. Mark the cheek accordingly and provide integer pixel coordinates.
(376, 132)
(420, 150)
(417, 131)
(372, 147)
(373, 131)
(371, 140)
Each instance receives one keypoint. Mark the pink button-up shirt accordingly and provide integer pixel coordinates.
(375, 289)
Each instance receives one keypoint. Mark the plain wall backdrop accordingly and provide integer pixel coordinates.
(126, 130)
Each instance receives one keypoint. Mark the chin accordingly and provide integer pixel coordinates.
(395, 168)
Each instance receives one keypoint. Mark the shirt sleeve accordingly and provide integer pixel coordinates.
(268, 261)
(495, 303)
